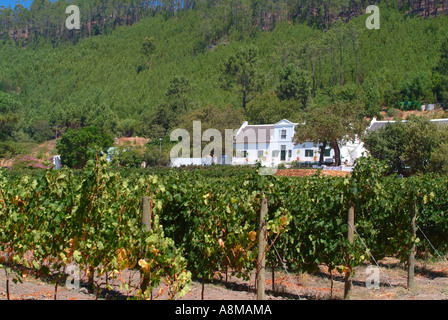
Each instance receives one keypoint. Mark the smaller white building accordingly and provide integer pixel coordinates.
(57, 162)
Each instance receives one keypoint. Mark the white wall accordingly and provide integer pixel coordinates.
(297, 153)
(177, 162)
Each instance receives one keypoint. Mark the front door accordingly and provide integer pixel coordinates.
(283, 153)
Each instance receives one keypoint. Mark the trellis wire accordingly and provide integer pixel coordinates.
(443, 260)
(284, 267)
(370, 253)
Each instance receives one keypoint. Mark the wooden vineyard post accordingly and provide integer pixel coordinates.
(146, 216)
(411, 258)
(146, 222)
(261, 265)
(350, 236)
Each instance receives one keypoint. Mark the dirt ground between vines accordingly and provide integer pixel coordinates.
(431, 283)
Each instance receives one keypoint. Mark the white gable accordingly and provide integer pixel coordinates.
(284, 122)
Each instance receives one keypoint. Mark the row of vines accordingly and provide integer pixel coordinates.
(202, 224)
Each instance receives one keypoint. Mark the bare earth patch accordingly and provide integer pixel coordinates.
(431, 283)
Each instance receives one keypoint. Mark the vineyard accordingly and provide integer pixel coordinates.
(202, 223)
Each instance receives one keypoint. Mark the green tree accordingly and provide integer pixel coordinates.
(9, 118)
(153, 156)
(417, 86)
(128, 127)
(9, 107)
(314, 130)
(423, 137)
(284, 52)
(267, 108)
(295, 84)
(179, 89)
(439, 159)
(387, 144)
(129, 157)
(415, 146)
(372, 97)
(41, 131)
(333, 124)
(440, 75)
(212, 117)
(148, 48)
(163, 118)
(242, 69)
(74, 145)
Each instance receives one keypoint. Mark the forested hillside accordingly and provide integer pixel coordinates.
(145, 67)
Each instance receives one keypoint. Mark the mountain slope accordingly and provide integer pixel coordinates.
(106, 80)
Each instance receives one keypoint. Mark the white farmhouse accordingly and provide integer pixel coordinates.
(272, 144)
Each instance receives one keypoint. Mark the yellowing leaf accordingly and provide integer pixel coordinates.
(237, 248)
(252, 235)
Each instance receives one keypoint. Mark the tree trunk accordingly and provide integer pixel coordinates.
(244, 90)
(320, 72)
(90, 282)
(56, 288)
(337, 153)
(235, 17)
(360, 64)
(322, 152)
(342, 65)
(7, 279)
(314, 75)
(202, 289)
(331, 284)
(356, 55)
(333, 73)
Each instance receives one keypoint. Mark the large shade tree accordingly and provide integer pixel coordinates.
(332, 124)
(74, 145)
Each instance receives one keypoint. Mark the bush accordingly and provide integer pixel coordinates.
(130, 158)
(391, 112)
(75, 144)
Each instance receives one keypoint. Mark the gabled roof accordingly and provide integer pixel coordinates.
(376, 125)
(255, 133)
(284, 122)
(259, 133)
